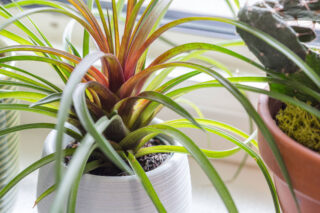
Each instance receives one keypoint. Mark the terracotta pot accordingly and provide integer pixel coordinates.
(302, 163)
(100, 194)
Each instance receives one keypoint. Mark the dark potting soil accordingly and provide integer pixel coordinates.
(148, 162)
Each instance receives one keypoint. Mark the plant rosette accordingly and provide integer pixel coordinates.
(300, 161)
(171, 181)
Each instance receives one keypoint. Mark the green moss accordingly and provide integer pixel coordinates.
(300, 126)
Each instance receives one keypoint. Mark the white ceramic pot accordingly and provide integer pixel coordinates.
(99, 194)
(8, 144)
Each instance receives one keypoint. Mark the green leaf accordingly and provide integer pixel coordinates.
(162, 99)
(26, 85)
(145, 182)
(22, 95)
(66, 101)
(184, 90)
(45, 194)
(145, 140)
(47, 42)
(22, 78)
(159, 78)
(23, 14)
(60, 64)
(130, 20)
(97, 32)
(192, 148)
(74, 191)
(32, 75)
(86, 35)
(215, 124)
(89, 167)
(73, 48)
(179, 149)
(48, 99)
(203, 162)
(214, 63)
(33, 167)
(208, 126)
(107, 98)
(66, 37)
(231, 8)
(120, 4)
(149, 18)
(284, 98)
(115, 26)
(6, 14)
(79, 159)
(33, 37)
(175, 81)
(192, 105)
(199, 46)
(56, 4)
(72, 14)
(131, 141)
(21, 127)
(24, 107)
(88, 123)
(94, 72)
(105, 26)
(74, 172)
(237, 3)
(14, 37)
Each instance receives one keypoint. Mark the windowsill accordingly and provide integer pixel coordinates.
(249, 195)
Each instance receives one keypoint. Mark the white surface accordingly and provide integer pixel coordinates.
(250, 191)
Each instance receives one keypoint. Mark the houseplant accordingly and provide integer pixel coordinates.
(9, 143)
(295, 130)
(114, 96)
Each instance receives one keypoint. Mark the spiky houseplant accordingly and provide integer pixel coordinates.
(300, 120)
(114, 98)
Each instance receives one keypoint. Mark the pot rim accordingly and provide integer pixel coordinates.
(275, 130)
(49, 148)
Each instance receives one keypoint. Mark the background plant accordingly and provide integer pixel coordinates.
(276, 16)
(98, 101)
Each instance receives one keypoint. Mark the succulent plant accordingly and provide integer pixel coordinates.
(272, 18)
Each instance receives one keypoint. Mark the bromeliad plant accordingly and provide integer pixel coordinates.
(115, 102)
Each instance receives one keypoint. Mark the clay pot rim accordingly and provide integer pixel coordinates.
(275, 130)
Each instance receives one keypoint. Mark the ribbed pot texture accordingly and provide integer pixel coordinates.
(8, 147)
(100, 194)
(302, 163)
